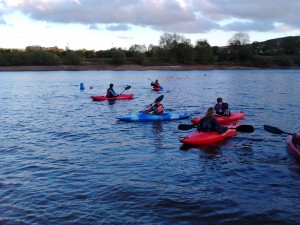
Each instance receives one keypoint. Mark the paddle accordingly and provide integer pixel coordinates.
(275, 130)
(127, 88)
(158, 99)
(240, 128)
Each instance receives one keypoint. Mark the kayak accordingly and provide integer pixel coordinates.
(120, 97)
(201, 138)
(293, 148)
(157, 88)
(235, 116)
(144, 117)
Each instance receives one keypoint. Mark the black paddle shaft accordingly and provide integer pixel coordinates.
(241, 128)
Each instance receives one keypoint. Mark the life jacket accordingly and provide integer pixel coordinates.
(109, 93)
(159, 109)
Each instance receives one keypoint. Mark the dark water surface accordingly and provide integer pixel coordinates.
(66, 159)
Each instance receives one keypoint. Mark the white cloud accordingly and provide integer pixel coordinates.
(154, 17)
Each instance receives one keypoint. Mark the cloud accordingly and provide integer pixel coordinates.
(2, 21)
(183, 16)
(125, 37)
(248, 26)
(119, 27)
(93, 27)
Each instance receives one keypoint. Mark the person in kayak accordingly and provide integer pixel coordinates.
(296, 139)
(155, 84)
(209, 124)
(157, 109)
(222, 108)
(110, 93)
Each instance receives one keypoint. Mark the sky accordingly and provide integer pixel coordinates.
(105, 24)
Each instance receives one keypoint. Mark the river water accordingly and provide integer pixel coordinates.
(67, 160)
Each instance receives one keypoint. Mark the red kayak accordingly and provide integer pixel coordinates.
(235, 116)
(201, 138)
(156, 89)
(120, 97)
(293, 148)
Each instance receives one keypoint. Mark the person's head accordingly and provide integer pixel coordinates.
(219, 101)
(296, 138)
(111, 85)
(210, 112)
(156, 81)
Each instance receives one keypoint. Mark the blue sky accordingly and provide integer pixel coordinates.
(103, 24)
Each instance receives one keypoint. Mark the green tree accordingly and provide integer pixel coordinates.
(203, 52)
(271, 47)
(184, 53)
(72, 58)
(41, 57)
(118, 57)
(177, 47)
(290, 45)
(256, 48)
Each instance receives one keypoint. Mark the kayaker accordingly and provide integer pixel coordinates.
(157, 109)
(209, 124)
(296, 139)
(155, 84)
(222, 108)
(110, 93)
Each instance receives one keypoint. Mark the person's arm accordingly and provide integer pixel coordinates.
(199, 126)
(218, 128)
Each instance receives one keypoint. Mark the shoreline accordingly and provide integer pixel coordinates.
(133, 67)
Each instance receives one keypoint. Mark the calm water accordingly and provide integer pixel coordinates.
(66, 159)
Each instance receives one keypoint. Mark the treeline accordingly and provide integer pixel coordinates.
(173, 49)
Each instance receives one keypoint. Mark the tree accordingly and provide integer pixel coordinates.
(177, 47)
(185, 53)
(239, 39)
(72, 58)
(256, 48)
(290, 45)
(271, 47)
(203, 52)
(237, 43)
(119, 57)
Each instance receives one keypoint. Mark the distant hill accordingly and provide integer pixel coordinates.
(280, 40)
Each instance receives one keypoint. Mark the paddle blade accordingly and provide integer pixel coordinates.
(275, 130)
(245, 128)
(160, 98)
(128, 87)
(186, 126)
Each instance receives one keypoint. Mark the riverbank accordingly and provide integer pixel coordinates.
(131, 67)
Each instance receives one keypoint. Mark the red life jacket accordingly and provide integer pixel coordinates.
(160, 109)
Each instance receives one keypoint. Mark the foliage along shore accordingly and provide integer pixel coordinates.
(135, 67)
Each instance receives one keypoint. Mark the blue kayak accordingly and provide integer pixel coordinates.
(143, 117)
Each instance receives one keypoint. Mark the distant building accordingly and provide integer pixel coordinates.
(33, 47)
